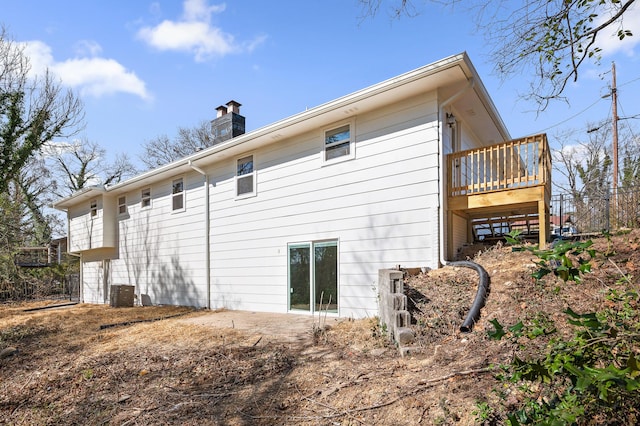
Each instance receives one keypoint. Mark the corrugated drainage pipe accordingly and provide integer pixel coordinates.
(481, 294)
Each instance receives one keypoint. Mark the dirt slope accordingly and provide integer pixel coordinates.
(69, 371)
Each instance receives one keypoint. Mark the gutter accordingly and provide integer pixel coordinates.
(207, 229)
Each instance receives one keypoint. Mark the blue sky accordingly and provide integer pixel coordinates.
(145, 68)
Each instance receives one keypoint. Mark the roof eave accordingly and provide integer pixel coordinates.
(83, 194)
(296, 124)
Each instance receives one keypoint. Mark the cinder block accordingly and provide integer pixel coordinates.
(395, 283)
(402, 319)
(399, 302)
(404, 336)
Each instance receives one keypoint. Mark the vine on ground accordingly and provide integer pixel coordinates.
(589, 377)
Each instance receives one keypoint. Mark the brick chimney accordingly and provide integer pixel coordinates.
(228, 122)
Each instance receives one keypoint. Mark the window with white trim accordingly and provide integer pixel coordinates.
(122, 205)
(177, 194)
(145, 198)
(339, 143)
(245, 177)
(93, 207)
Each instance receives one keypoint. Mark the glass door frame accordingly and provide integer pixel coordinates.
(311, 246)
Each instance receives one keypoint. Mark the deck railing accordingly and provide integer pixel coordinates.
(34, 257)
(510, 165)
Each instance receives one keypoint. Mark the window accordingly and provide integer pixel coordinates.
(145, 198)
(245, 177)
(338, 143)
(122, 205)
(94, 208)
(177, 194)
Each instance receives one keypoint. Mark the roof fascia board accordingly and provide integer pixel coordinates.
(84, 193)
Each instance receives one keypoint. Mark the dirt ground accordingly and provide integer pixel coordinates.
(175, 366)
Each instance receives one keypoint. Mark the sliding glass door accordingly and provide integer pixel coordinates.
(299, 277)
(313, 276)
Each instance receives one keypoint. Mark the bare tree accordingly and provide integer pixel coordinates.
(33, 110)
(162, 150)
(553, 38)
(36, 188)
(83, 163)
(584, 162)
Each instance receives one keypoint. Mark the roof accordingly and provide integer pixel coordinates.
(448, 76)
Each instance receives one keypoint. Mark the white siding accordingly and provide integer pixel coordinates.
(459, 226)
(94, 288)
(85, 232)
(162, 252)
(381, 207)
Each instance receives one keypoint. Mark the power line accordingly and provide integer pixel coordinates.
(628, 82)
(586, 109)
(570, 118)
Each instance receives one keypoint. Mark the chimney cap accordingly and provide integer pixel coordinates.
(222, 110)
(233, 107)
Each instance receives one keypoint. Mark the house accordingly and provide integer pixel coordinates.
(301, 214)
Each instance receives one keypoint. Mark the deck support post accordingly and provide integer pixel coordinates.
(543, 223)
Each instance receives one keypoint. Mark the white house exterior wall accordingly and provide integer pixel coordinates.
(381, 207)
(94, 290)
(163, 252)
(85, 232)
(88, 232)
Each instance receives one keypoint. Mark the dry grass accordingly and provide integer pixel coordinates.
(69, 371)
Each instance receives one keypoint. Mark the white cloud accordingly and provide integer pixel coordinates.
(100, 76)
(611, 44)
(92, 76)
(88, 48)
(199, 10)
(40, 56)
(195, 37)
(195, 34)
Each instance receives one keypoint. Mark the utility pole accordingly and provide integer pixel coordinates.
(614, 113)
(614, 143)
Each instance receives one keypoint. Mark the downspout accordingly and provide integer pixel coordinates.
(441, 166)
(207, 229)
(483, 284)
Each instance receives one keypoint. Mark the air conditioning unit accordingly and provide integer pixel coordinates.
(122, 296)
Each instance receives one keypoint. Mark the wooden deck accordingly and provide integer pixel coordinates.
(505, 186)
(36, 257)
